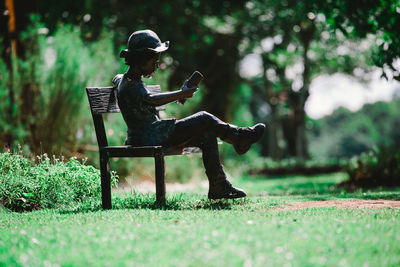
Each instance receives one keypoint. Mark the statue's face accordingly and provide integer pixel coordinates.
(150, 66)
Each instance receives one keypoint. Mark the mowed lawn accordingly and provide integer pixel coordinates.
(192, 231)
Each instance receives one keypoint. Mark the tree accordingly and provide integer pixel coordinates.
(199, 38)
(14, 19)
(294, 45)
(347, 134)
(365, 17)
(200, 43)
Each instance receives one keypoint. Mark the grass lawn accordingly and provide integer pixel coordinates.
(191, 231)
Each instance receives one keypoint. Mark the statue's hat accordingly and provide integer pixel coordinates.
(145, 40)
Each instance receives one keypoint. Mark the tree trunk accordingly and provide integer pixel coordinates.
(19, 12)
(306, 36)
(221, 76)
(274, 149)
(6, 29)
(301, 140)
(270, 141)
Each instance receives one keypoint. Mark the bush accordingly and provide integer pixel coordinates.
(49, 111)
(347, 134)
(379, 167)
(50, 183)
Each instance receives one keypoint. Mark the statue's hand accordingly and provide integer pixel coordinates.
(185, 87)
(188, 92)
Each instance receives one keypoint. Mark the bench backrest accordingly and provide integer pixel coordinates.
(104, 100)
(101, 100)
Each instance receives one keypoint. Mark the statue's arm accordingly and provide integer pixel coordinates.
(168, 97)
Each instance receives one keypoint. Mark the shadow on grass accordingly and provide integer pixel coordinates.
(147, 201)
(139, 201)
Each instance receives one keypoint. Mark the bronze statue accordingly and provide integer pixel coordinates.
(138, 107)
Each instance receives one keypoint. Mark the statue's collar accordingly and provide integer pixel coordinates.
(132, 76)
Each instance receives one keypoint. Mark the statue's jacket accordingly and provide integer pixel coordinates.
(144, 124)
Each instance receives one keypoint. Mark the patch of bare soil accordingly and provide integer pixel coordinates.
(343, 204)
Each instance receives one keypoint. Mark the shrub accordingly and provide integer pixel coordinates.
(347, 134)
(46, 111)
(379, 167)
(48, 183)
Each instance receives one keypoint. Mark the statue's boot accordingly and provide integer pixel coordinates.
(219, 186)
(242, 138)
(224, 189)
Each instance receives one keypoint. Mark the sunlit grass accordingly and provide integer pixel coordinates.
(293, 185)
(189, 230)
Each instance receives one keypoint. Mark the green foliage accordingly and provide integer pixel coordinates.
(8, 110)
(185, 168)
(368, 17)
(50, 183)
(62, 89)
(213, 37)
(241, 99)
(182, 169)
(346, 134)
(379, 167)
(48, 84)
(295, 45)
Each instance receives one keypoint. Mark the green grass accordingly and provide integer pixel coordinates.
(191, 231)
(318, 187)
(293, 185)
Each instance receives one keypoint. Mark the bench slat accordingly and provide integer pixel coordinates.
(130, 151)
(102, 100)
(155, 89)
(145, 151)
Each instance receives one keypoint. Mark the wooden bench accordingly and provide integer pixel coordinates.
(103, 100)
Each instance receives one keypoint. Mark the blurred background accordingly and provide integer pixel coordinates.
(324, 77)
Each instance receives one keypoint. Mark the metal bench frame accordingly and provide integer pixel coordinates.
(103, 100)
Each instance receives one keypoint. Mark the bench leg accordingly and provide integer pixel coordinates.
(160, 176)
(105, 181)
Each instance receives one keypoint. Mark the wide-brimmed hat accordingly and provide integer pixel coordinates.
(144, 40)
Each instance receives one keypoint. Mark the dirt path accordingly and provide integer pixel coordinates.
(343, 204)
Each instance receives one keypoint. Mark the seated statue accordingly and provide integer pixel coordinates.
(138, 108)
